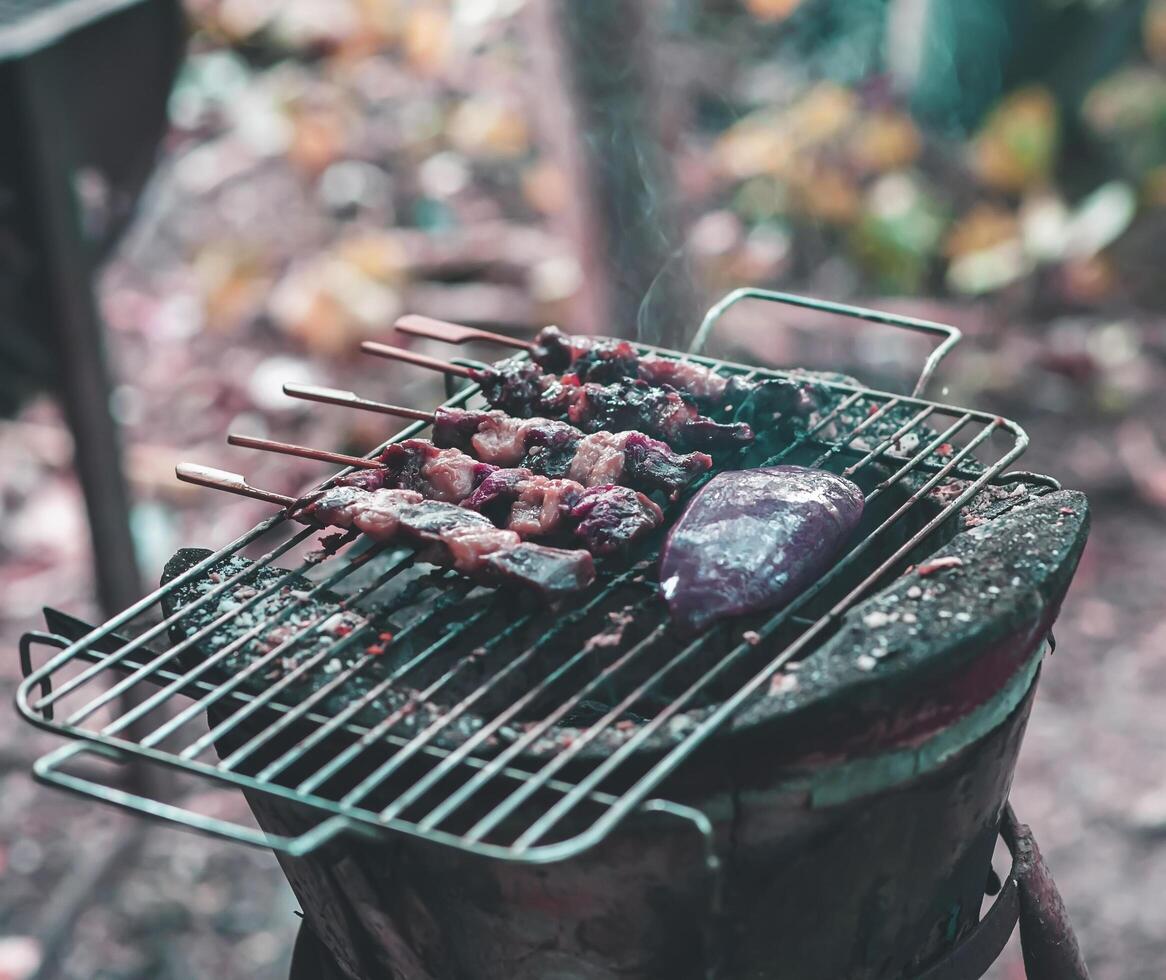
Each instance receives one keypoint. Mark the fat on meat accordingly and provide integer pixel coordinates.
(599, 458)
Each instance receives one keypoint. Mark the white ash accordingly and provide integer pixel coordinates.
(782, 683)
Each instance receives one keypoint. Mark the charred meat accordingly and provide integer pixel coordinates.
(520, 388)
(606, 519)
(452, 536)
(557, 449)
(605, 360)
(527, 503)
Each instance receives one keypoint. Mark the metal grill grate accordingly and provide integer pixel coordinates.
(516, 732)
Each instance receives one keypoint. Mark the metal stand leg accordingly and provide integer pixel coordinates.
(63, 128)
(66, 296)
(1029, 896)
(1051, 951)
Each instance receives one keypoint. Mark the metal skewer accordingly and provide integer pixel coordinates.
(455, 333)
(421, 360)
(349, 399)
(236, 483)
(306, 452)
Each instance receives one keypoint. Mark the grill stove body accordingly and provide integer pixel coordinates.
(813, 794)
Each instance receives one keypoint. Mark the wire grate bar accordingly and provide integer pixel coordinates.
(159, 629)
(464, 705)
(480, 779)
(541, 826)
(527, 739)
(268, 698)
(634, 797)
(209, 663)
(143, 605)
(311, 628)
(353, 708)
(296, 715)
(524, 791)
(486, 731)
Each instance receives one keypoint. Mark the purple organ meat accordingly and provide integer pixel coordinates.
(753, 540)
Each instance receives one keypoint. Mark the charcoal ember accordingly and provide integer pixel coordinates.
(316, 627)
(587, 712)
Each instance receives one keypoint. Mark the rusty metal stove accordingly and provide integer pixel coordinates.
(519, 792)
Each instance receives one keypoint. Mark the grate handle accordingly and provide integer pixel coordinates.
(47, 769)
(950, 336)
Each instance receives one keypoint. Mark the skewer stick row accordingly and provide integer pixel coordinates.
(349, 399)
(304, 452)
(455, 333)
(420, 360)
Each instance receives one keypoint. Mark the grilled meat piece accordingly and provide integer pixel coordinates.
(556, 449)
(437, 474)
(521, 388)
(454, 536)
(588, 358)
(754, 540)
(604, 359)
(652, 465)
(515, 498)
(606, 518)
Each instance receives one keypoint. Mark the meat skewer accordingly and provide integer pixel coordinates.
(452, 536)
(606, 359)
(520, 388)
(605, 518)
(547, 446)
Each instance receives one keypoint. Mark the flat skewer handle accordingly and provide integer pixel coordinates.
(349, 399)
(409, 357)
(305, 452)
(216, 479)
(455, 333)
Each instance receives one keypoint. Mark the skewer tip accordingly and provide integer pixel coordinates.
(318, 392)
(216, 479)
(455, 333)
(350, 399)
(409, 357)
